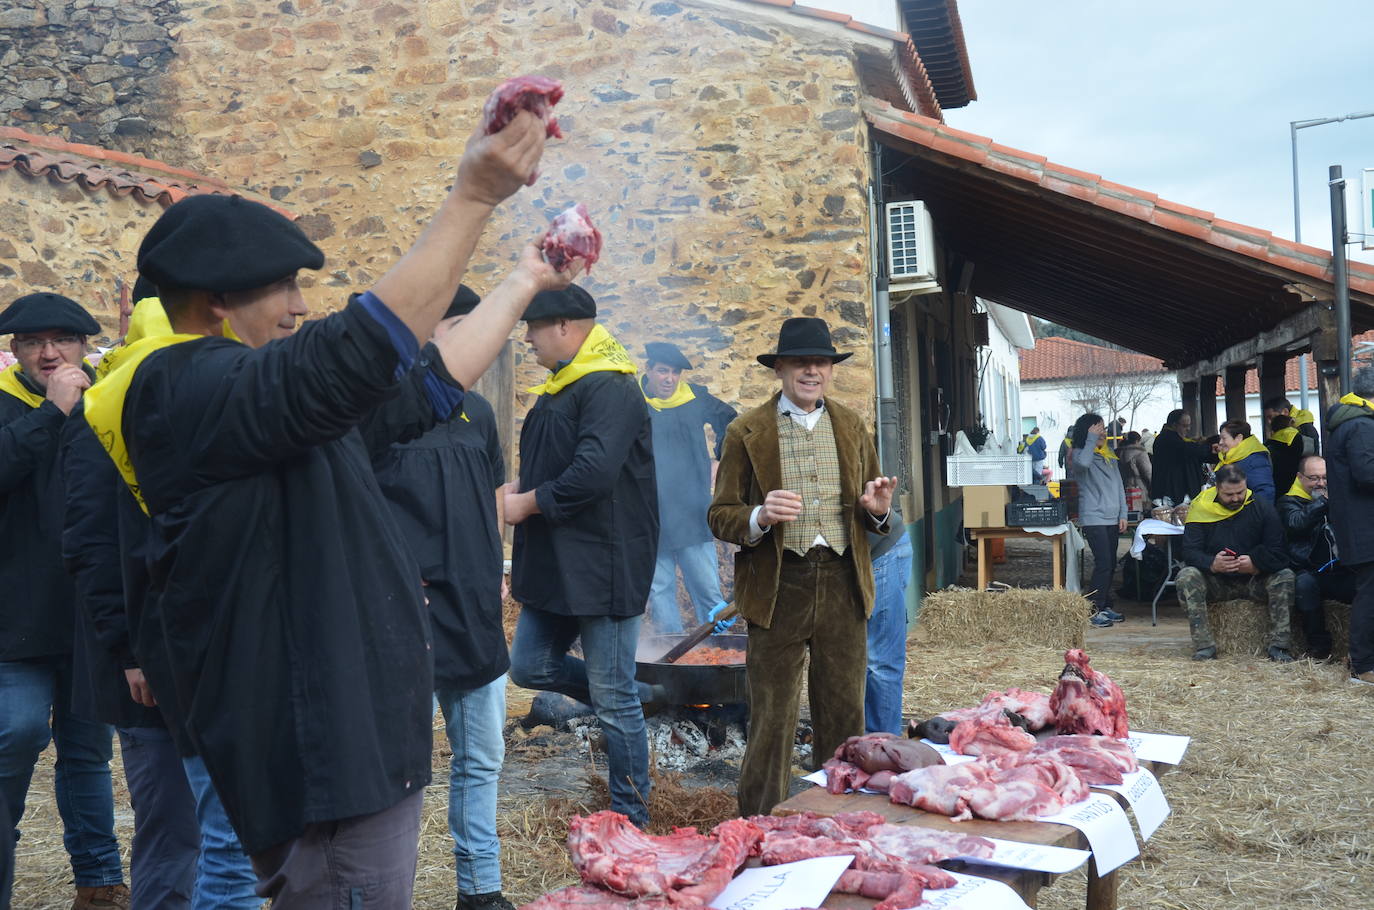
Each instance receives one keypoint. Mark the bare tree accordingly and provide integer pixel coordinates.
(1101, 388)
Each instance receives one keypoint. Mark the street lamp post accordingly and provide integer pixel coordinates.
(1293, 127)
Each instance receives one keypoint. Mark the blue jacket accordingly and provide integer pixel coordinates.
(1037, 449)
(1259, 475)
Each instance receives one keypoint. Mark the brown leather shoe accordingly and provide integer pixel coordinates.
(103, 897)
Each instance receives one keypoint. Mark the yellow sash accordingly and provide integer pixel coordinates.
(1285, 436)
(1357, 401)
(1297, 490)
(1248, 446)
(681, 395)
(1205, 507)
(9, 382)
(148, 320)
(600, 353)
(104, 406)
(1301, 416)
(1030, 440)
(1103, 450)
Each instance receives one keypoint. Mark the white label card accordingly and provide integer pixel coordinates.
(973, 893)
(1146, 799)
(801, 884)
(1036, 857)
(1160, 747)
(1106, 827)
(947, 753)
(821, 778)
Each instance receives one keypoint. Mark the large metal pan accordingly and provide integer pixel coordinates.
(685, 684)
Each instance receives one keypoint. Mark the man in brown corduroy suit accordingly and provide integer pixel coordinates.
(807, 465)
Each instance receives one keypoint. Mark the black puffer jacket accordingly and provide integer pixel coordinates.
(1350, 480)
(1310, 544)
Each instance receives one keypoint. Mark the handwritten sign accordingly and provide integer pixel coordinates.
(1146, 799)
(1105, 826)
(801, 884)
(1036, 857)
(973, 893)
(947, 753)
(1160, 747)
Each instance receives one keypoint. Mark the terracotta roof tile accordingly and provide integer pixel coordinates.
(1062, 358)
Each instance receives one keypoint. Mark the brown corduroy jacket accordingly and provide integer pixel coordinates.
(750, 466)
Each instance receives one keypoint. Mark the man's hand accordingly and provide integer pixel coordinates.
(139, 690)
(877, 497)
(1244, 566)
(1121, 526)
(519, 506)
(532, 268)
(1223, 563)
(497, 166)
(65, 386)
(780, 505)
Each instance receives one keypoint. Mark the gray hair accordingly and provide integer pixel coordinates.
(1362, 383)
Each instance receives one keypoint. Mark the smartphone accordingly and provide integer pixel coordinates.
(1229, 552)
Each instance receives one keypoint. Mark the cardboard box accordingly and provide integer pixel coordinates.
(985, 507)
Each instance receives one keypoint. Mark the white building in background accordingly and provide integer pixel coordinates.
(999, 381)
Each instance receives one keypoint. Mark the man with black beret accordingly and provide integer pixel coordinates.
(36, 614)
(686, 470)
(290, 606)
(585, 511)
(444, 489)
(798, 489)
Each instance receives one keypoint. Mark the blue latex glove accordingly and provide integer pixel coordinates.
(724, 625)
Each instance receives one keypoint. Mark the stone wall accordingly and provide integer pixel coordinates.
(719, 147)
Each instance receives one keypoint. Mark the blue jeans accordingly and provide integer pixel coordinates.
(224, 877)
(887, 640)
(606, 681)
(162, 867)
(475, 719)
(35, 707)
(700, 575)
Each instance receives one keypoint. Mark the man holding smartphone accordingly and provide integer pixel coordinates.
(1234, 545)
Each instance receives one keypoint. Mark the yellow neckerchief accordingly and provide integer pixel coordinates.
(681, 395)
(1302, 416)
(1285, 436)
(1248, 446)
(600, 353)
(1103, 450)
(1298, 490)
(1357, 401)
(147, 320)
(1206, 509)
(104, 404)
(1030, 440)
(10, 383)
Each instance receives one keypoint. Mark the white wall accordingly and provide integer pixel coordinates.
(999, 393)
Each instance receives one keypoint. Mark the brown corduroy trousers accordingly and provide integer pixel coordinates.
(819, 609)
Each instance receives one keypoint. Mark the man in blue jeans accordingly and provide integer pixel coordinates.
(585, 512)
(887, 628)
(36, 612)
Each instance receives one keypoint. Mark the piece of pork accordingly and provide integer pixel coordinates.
(942, 789)
(990, 733)
(536, 94)
(1033, 706)
(572, 236)
(1097, 759)
(1087, 700)
(876, 752)
(927, 846)
(1010, 800)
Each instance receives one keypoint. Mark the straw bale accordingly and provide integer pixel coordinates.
(1242, 627)
(1016, 616)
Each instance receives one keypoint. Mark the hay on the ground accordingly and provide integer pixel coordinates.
(1016, 616)
(1242, 627)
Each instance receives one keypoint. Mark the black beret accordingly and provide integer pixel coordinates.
(572, 303)
(464, 302)
(45, 312)
(667, 354)
(143, 288)
(224, 243)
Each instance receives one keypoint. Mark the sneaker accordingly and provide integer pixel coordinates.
(1280, 655)
(1365, 679)
(1114, 616)
(1101, 620)
(102, 897)
(1205, 654)
(492, 900)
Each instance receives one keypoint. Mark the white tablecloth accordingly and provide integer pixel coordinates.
(1073, 546)
(1151, 526)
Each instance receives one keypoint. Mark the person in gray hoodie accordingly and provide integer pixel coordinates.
(1101, 509)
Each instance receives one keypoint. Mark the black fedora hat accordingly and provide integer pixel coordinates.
(803, 336)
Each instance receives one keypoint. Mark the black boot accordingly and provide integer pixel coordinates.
(492, 900)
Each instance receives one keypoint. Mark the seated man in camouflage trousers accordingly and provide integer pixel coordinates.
(1233, 543)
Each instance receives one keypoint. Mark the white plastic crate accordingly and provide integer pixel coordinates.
(987, 470)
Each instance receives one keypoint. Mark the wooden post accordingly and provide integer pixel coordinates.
(1235, 391)
(1206, 424)
(1188, 394)
(1328, 390)
(1272, 381)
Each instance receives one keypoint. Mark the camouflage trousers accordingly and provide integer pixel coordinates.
(1197, 588)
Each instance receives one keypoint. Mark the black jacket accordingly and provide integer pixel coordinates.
(587, 452)
(289, 603)
(1350, 481)
(1284, 459)
(1176, 466)
(682, 465)
(442, 490)
(1254, 531)
(36, 606)
(1310, 543)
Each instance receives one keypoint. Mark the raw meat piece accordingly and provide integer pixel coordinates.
(736, 839)
(893, 889)
(990, 733)
(876, 752)
(841, 826)
(608, 850)
(536, 94)
(841, 776)
(572, 236)
(1033, 706)
(1097, 759)
(1087, 701)
(1042, 769)
(925, 846)
(880, 781)
(1011, 800)
(780, 847)
(942, 789)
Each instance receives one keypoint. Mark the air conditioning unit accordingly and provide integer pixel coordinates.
(910, 248)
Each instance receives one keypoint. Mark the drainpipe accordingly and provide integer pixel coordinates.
(888, 443)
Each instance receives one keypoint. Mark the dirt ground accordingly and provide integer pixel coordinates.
(1270, 806)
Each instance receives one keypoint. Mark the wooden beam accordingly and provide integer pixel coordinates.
(1272, 381)
(1293, 335)
(1207, 406)
(1188, 393)
(1328, 391)
(1235, 391)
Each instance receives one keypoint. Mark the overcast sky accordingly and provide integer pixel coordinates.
(1190, 100)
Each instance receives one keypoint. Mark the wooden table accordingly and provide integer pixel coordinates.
(981, 536)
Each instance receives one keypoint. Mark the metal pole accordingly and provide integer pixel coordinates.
(1297, 237)
(1339, 277)
(888, 443)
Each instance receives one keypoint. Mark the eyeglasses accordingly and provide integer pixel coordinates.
(1316, 478)
(29, 345)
